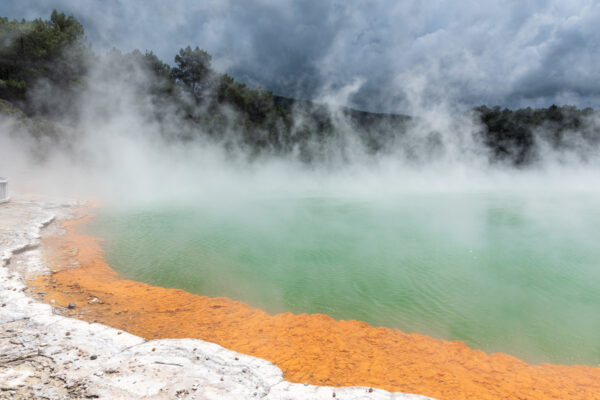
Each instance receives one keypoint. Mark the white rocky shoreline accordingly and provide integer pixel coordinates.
(44, 355)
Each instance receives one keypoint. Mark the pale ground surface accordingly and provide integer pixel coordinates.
(44, 355)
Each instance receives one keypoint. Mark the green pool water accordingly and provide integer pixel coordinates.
(502, 272)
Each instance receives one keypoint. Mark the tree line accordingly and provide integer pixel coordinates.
(45, 60)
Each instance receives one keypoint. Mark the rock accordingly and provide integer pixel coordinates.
(71, 305)
(93, 357)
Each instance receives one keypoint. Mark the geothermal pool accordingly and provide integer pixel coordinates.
(500, 271)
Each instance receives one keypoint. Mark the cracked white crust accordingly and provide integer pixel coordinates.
(48, 356)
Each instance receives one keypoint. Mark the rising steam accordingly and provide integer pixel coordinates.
(121, 143)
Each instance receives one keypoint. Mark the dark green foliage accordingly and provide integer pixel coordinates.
(506, 136)
(159, 67)
(144, 72)
(193, 68)
(52, 50)
(515, 136)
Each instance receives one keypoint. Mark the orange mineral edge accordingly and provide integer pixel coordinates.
(308, 348)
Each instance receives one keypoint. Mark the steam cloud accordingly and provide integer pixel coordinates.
(120, 146)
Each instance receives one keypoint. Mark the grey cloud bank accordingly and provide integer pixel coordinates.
(404, 54)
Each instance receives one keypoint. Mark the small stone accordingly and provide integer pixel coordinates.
(93, 357)
(305, 383)
(370, 390)
(71, 305)
(236, 359)
(67, 333)
(3, 304)
(222, 379)
(118, 333)
(333, 395)
(154, 349)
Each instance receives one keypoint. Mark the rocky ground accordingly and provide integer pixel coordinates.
(45, 355)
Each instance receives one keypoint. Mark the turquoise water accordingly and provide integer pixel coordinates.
(502, 272)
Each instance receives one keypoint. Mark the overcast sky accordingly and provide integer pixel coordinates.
(376, 55)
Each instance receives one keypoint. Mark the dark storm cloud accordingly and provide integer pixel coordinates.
(378, 55)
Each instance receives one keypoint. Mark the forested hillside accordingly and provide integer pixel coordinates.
(46, 65)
